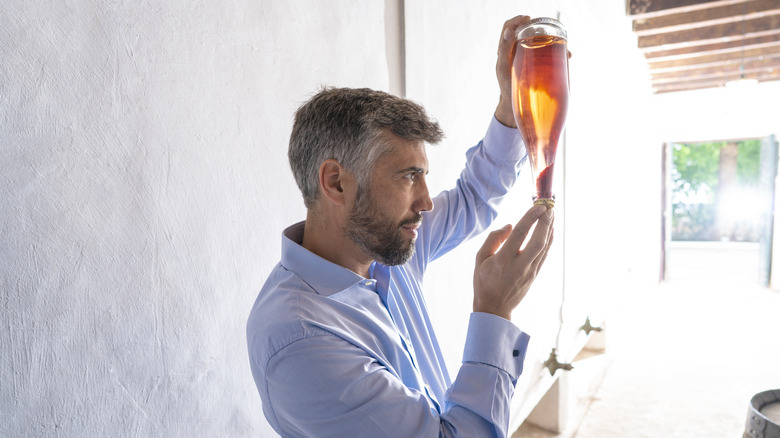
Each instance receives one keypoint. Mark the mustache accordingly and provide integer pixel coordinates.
(415, 220)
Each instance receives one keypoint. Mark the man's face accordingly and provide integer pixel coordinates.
(386, 214)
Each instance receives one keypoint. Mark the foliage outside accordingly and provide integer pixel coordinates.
(695, 191)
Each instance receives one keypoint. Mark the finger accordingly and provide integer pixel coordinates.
(537, 264)
(518, 235)
(539, 239)
(508, 36)
(492, 243)
(510, 26)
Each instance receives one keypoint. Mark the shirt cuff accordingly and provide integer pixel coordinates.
(504, 142)
(495, 341)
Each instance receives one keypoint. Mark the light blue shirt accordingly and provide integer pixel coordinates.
(335, 354)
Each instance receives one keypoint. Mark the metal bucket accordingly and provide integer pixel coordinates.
(763, 419)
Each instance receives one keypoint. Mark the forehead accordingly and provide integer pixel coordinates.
(402, 153)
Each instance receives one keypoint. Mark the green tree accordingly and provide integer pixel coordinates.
(748, 163)
(695, 168)
(695, 183)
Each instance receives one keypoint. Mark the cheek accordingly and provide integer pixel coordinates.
(392, 201)
(389, 199)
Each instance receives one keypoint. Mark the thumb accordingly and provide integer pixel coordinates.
(493, 243)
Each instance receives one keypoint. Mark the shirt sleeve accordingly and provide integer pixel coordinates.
(492, 168)
(495, 341)
(324, 386)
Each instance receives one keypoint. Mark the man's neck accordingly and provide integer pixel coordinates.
(327, 239)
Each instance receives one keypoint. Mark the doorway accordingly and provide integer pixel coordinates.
(719, 210)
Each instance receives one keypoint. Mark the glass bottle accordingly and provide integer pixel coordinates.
(540, 96)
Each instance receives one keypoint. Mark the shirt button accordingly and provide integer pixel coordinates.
(515, 353)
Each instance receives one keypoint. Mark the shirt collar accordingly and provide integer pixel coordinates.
(326, 278)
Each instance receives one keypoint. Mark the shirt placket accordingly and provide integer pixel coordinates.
(384, 287)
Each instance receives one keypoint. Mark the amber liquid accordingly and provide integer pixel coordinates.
(540, 90)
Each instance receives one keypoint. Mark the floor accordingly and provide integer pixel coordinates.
(686, 356)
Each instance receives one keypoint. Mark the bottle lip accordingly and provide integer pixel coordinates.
(544, 21)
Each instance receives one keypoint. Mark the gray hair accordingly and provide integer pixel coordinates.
(348, 125)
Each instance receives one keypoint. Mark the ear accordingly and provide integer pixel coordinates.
(333, 180)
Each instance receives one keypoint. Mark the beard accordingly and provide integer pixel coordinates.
(377, 235)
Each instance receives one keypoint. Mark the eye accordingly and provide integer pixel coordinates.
(411, 176)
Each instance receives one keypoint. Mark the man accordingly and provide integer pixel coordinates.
(339, 339)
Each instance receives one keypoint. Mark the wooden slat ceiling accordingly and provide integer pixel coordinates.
(693, 44)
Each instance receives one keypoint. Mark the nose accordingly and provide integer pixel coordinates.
(424, 201)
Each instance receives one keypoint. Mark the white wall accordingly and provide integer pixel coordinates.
(145, 186)
(720, 113)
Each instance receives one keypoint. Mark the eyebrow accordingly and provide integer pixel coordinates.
(413, 169)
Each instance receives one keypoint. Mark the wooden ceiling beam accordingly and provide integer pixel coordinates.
(769, 25)
(714, 73)
(655, 8)
(697, 85)
(730, 57)
(765, 41)
(695, 44)
(766, 64)
(724, 14)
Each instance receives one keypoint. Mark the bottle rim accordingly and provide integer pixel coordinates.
(541, 20)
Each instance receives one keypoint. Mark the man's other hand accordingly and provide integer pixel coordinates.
(504, 273)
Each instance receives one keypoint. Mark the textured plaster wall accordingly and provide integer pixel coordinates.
(144, 187)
